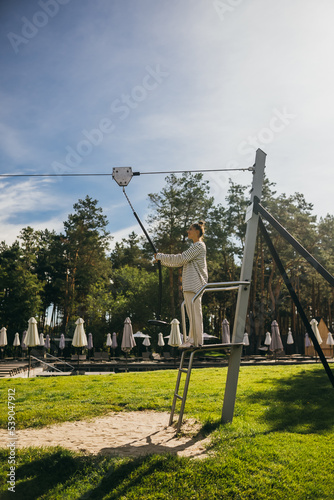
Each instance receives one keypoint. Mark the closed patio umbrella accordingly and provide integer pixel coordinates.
(267, 340)
(161, 341)
(108, 342)
(146, 341)
(41, 339)
(90, 344)
(245, 340)
(330, 340)
(290, 338)
(90, 341)
(314, 325)
(3, 337)
(47, 342)
(128, 341)
(175, 336)
(79, 337)
(16, 342)
(32, 338)
(62, 342)
(114, 341)
(276, 341)
(226, 336)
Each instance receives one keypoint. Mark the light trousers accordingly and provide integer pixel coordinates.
(195, 318)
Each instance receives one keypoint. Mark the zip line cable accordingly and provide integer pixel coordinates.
(134, 173)
(200, 170)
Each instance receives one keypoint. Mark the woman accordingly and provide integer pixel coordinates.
(194, 276)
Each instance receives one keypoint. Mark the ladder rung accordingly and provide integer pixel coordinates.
(178, 396)
(183, 370)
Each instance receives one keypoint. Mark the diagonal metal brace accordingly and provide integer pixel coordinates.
(296, 300)
(259, 209)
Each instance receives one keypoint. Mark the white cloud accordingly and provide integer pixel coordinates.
(21, 203)
(123, 233)
(26, 196)
(10, 232)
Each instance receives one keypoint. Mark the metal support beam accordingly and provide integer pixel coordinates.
(243, 293)
(296, 300)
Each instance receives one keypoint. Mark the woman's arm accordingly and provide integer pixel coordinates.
(179, 259)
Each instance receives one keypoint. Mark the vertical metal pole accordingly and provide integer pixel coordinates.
(243, 294)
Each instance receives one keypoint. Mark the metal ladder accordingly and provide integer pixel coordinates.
(187, 371)
(177, 396)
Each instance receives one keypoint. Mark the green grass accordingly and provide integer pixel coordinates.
(279, 446)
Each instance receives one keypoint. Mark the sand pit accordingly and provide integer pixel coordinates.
(126, 434)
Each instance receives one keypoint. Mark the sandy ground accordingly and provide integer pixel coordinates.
(123, 434)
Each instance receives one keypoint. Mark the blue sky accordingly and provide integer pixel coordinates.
(160, 85)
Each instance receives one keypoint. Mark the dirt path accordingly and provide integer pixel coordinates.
(122, 434)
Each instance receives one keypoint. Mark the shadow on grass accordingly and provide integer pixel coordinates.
(208, 428)
(302, 403)
(39, 471)
(117, 481)
(44, 472)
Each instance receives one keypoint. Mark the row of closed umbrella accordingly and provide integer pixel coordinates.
(273, 339)
(274, 342)
(31, 337)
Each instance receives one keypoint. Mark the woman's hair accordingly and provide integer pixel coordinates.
(200, 227)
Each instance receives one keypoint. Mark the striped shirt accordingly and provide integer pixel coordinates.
(193, 261)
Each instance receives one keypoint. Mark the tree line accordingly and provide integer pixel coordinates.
(59, 277)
